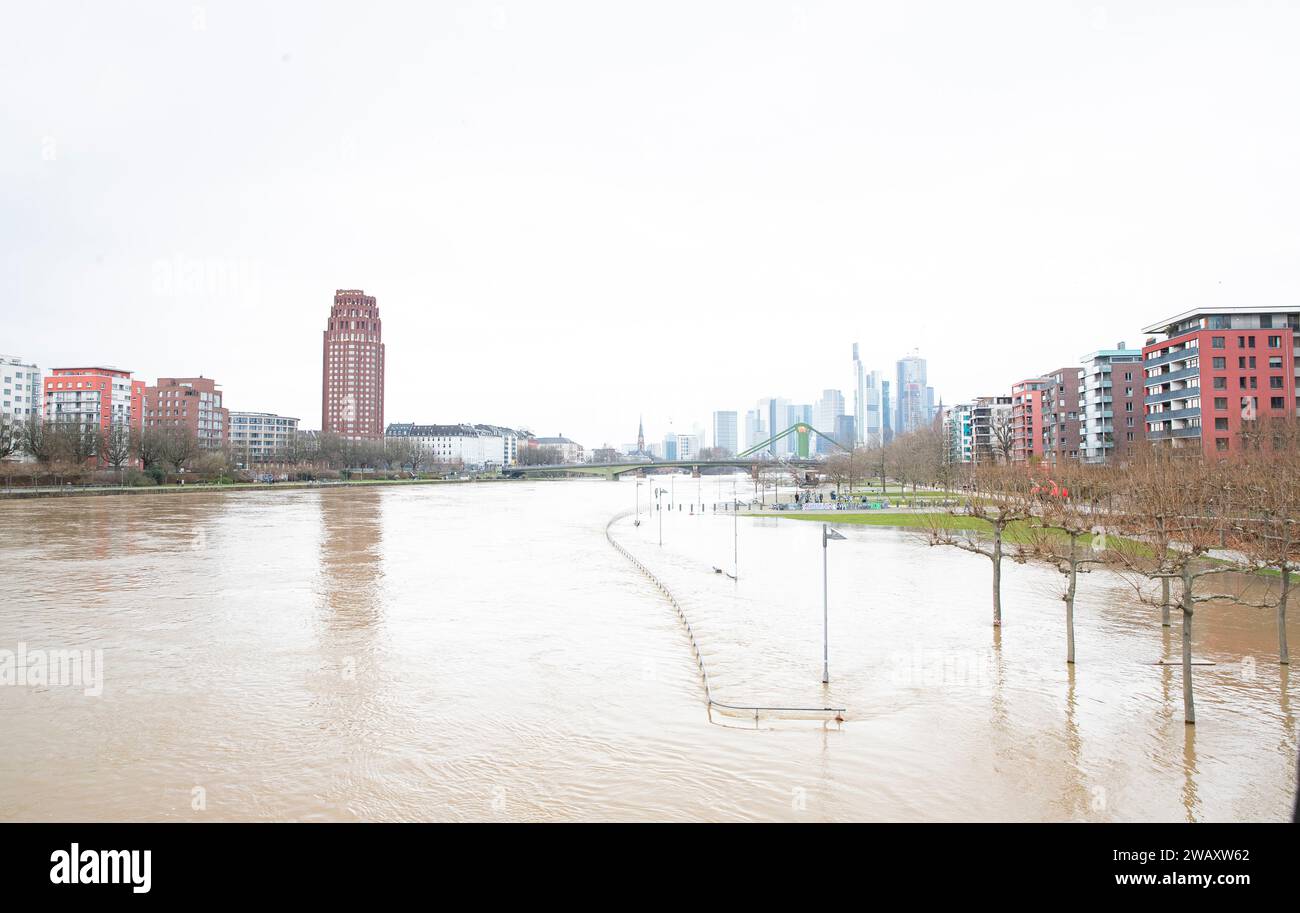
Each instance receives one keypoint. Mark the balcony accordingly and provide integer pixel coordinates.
(1184, 393)
(1194, 431)
(1174, 375)
(1180, 355)
(1174, 414)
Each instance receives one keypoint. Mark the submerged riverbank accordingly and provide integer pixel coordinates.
(214, 488)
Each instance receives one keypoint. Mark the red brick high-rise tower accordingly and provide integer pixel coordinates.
(352, 383)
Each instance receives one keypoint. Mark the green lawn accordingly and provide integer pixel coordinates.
(1016, 532)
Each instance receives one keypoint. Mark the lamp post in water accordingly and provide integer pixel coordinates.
(735, 533)
(660, 511)
(827, 535)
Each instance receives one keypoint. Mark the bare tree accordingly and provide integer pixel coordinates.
(149, 446)
(1267, 532)
(178, 447)
(1065, 532)
(1001, 435)
(1178, 500)
(116, 446)
(999, 498)
(10, 437)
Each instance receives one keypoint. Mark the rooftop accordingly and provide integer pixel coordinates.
(1162, 325)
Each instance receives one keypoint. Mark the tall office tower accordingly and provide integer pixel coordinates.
(777, 411)
(755, 428)
(886, 413)
(859, 398)
(874, 433)
(825, 415)
(724, 431)
(352, 384)
(844, 434)
(912, 412)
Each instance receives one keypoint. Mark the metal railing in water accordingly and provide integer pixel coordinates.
(835, 714)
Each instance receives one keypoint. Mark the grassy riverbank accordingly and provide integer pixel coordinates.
(1015, 532)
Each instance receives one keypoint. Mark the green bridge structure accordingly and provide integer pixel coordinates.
(754, 460)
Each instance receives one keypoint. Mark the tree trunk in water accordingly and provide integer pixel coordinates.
(1069, 615)
(1189, 708)
(997, 577)
(1284, 656)
(1164, 602)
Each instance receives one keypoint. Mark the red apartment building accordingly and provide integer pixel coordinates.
(190, 403)
(1028, 406)
(352, 381)
(1209, 373)
(93, 398)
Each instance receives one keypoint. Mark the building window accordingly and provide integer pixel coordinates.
(1219, 342)
(1220, 443)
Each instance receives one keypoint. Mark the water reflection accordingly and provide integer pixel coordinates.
(351, 559)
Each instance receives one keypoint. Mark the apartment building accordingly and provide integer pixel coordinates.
(93, 398)
(20, 390)
(262, 437)
(192, 404)
(1061, 415)
(472, 446)
(1111, 421)
(1212, 374)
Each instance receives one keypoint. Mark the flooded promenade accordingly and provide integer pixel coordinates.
(480, 652)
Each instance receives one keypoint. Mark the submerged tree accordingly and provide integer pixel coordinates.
(1266, 530)
(998, 497)
(1065, 532)
(1172, 516)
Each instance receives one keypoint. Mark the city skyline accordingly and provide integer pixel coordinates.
(499, 224)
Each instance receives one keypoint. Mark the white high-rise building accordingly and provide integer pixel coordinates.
(859, 398)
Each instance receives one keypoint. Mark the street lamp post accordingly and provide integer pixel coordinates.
(660, 511)
(735, 533)
(827, 535)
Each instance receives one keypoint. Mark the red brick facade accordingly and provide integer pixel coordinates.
(352, 373)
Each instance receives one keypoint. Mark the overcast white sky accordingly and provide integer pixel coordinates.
(575, 212)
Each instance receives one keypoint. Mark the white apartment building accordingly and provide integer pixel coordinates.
(262, 437)
(471, 446)
(21, 390)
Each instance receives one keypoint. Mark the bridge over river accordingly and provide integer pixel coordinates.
(613, 471)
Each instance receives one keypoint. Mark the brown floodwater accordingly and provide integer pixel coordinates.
(480, 652)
